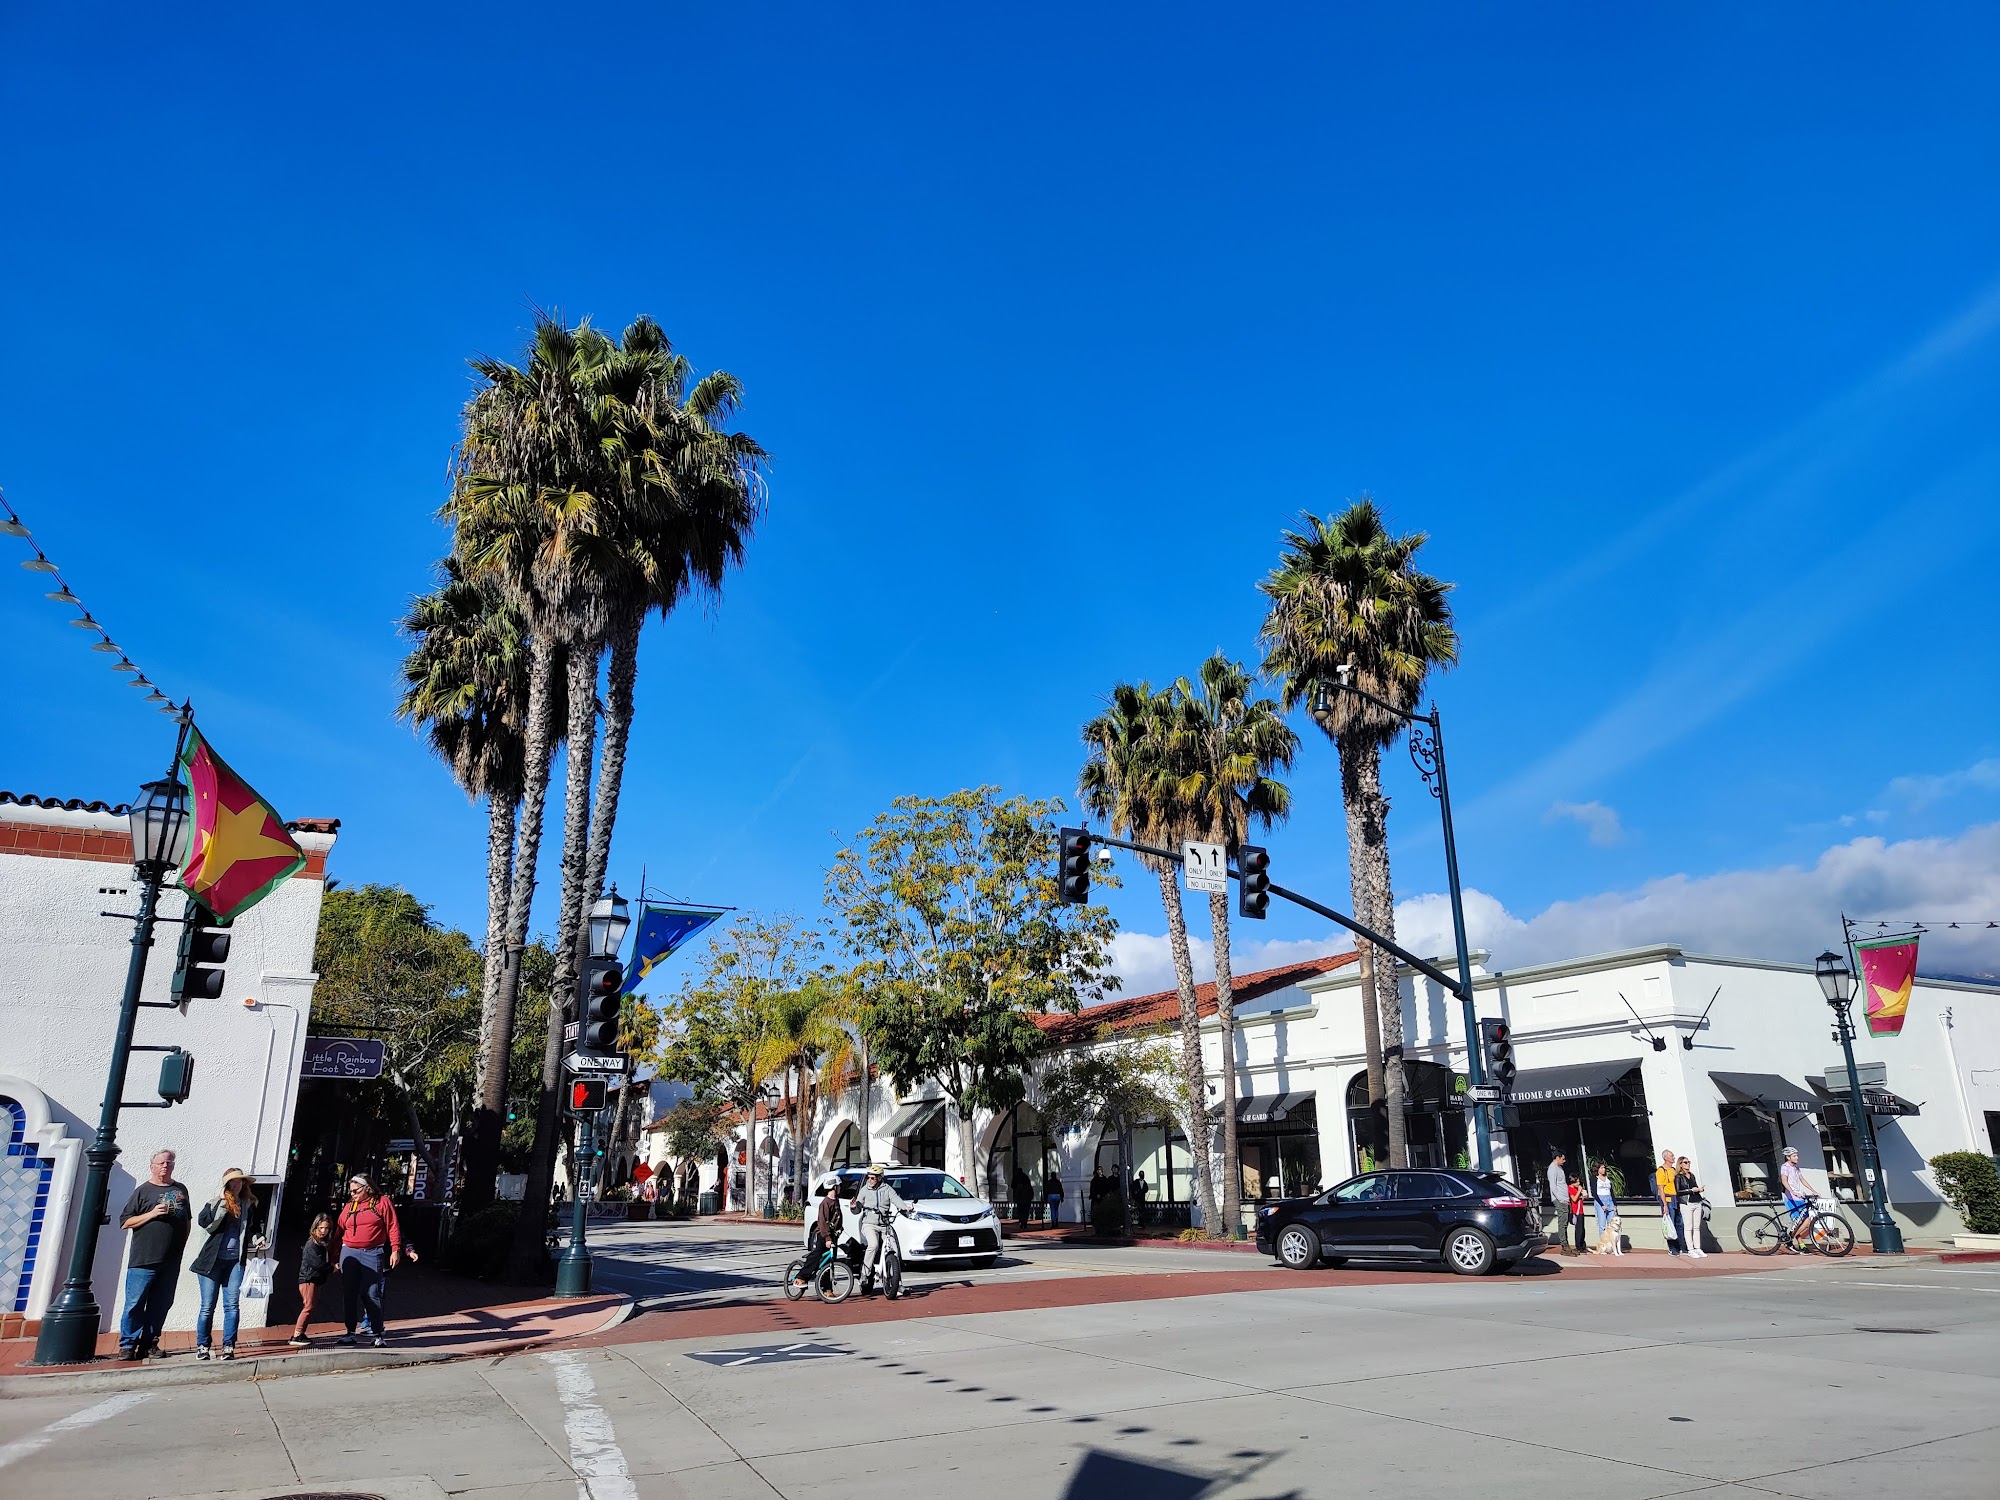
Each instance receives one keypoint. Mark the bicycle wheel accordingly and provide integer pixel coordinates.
(1760, 1234)
(892, 1272)
(836, 1280)
(795, 1280)
(1829, 1235)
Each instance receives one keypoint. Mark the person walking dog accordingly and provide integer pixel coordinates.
(158, 1219)
(218, 1265)
(371, 1246)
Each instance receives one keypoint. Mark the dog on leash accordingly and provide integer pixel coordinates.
(1612, 1241)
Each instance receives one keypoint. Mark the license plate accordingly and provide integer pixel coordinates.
(965, 1240)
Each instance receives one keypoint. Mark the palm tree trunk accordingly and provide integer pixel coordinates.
(1368, 868)
(580, 741)
(1194, 1073)
(495, 1033)
(538, 746)
(1371, 1033)
(1225, 1015)
(623, 672)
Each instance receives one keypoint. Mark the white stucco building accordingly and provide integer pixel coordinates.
(1621, 1056)
(62, 864)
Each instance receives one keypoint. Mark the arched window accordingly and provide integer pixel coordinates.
(848, 1149)
(1433, 1126)
(1024, 1157)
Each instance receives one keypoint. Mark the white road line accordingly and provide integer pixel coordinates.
(593, 1447)
(34, 1442)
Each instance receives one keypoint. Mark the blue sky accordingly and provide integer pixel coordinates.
(1679, 334)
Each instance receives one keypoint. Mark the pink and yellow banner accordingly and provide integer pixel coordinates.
(1888, 970)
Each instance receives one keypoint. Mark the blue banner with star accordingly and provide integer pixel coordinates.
(659, 931)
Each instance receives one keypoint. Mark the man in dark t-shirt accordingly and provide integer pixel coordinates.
(156, 1216)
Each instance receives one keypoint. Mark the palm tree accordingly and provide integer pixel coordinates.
(1228, 743)
(1346, 593)
(1128, 780)
(807, 1041)
(466, 685)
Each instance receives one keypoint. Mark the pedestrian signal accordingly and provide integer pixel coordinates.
(1073, 879)
(1253, 881)
(586, 1095)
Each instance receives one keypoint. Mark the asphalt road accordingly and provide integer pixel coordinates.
(1851, 1379)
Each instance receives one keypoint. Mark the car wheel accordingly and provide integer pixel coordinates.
(1297, 1247)
(1469, 1253)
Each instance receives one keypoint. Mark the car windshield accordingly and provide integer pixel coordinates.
(912, 1186)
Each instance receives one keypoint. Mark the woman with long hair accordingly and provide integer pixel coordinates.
(371, 1246)
(218, 1265)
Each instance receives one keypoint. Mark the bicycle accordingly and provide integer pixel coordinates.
(1812, 1231)
(833, 1283)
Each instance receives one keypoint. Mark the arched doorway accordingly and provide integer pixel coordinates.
(1023, 1156)
(1434, 1126)
(848, 1149)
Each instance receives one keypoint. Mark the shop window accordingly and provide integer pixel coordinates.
(926, 1148)
(1754, 1145)
(1612, 1128)
(848, 1150)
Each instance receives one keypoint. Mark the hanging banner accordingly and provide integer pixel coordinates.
(1888, 970)
(658, 932)
(239, 851)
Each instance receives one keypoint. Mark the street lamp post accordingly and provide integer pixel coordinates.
(1836, 982)
(609, 919)
(1427, 751)
(69, 1329)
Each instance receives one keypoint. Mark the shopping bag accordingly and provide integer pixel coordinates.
(258, 1275)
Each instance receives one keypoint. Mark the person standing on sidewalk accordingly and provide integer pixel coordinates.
(1053, 1192)
(315, 1268)
(218, 1265)
(371, 1246)
(1667, 1190)
(157, 1218)
(1558, 1181)
(1605, 1200)
(1694, 1207)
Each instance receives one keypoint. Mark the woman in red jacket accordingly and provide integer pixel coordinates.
(371, 1246)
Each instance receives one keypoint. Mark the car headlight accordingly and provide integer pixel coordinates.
(1265, 1210)
(934, 1218)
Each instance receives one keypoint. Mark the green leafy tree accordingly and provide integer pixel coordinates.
(1347, 593)
(808, 1043)
(1131, 780)
(1120, 1083)
(1227, 743)
(950, 905)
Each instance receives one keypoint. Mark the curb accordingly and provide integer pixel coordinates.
(218, 1372)
(1114, 1242)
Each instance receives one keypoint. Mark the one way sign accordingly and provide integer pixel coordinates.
(768, 1354)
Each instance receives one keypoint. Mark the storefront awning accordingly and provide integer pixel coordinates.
(1571, 1081)
(1767, 1091)
(910, 1118)
(1260, 1109)
(1877, 1101)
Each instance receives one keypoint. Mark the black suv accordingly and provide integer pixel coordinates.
(1474, 1222)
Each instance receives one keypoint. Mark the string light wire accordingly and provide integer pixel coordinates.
(63, 594)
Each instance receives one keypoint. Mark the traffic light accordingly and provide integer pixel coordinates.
(586, 1095)
(1073, 879)
(198, 974)
(1253, 881)
(1496, 1047)
(176, 1076)
(597, 1031)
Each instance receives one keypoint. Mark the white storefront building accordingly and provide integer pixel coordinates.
(1621, 1055)
(62, 866)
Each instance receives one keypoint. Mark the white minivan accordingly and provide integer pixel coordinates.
(944, 1224)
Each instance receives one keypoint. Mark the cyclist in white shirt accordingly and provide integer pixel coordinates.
(878, 1206)
(1798, 1195)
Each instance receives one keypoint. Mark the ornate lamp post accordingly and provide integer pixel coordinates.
(1836, 982)
(1427, 751)
(609, 919)
(69, 1330)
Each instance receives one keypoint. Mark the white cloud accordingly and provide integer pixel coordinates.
(1789, 912)
(1599, 821)
(1921, 791)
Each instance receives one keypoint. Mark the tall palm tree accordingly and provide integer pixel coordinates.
(1128, 779)
(808, 1041)
(466, 685)
(1228, 742)
(1347, 592)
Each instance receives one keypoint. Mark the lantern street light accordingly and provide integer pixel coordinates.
(1836, 982)
(158, 820)
(609, 919)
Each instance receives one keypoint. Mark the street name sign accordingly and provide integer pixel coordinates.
(578, 1062)
(1204, 868)
(569, 1031)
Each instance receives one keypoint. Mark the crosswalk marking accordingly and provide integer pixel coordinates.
(594, 1453)
(34, 1442)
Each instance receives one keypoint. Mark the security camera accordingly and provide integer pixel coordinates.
(1345, 672)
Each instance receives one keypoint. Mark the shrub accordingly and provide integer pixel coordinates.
(1971, 1183)
(1192, 1236)
(480, 1242)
